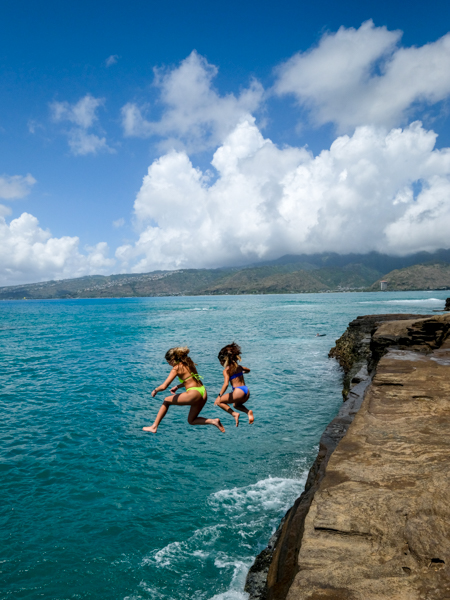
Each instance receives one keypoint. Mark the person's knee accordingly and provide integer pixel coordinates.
(190, 420)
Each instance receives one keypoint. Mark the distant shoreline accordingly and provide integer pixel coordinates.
(288, 275)
(349, 291)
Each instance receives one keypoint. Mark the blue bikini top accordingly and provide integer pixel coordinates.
(237, 375)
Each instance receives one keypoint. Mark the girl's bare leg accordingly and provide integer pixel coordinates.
(233, 397)
(194, 419)
(229, 410)
(244, 409)
(192, 399)
(159, 417)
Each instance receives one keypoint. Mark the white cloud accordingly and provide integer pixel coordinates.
(83, 115)
(5, 210)
(362, 77)
(13, 187)
(194, 112)
(82, 143)
(355, 197)
(111, 60)
(31, 254)
(34, 125)
(119, 223)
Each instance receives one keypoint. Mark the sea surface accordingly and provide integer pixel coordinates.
(92, 507)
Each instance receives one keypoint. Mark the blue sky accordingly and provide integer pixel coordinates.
(237, 135)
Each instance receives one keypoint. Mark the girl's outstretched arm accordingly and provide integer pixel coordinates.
(165, 385)
(245, 369)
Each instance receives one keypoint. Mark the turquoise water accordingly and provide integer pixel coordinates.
(91, 506)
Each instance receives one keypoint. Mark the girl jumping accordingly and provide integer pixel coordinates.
(233, 373)
(195, 395)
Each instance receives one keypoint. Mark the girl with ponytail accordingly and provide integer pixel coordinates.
(195, 395)
(229, 357)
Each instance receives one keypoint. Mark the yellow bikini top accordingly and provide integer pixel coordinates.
(194, 375)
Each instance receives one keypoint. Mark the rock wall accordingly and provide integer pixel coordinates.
(373, 521)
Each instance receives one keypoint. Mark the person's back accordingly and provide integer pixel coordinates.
(236, 375)
(233, 373)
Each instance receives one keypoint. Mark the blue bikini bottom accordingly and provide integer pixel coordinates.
(244, 388)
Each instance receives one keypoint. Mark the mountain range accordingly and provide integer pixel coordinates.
(289, 274)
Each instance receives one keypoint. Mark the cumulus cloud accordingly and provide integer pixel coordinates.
(13, 187)
(83, 115)
(31, 254)
(355, 197)
(363, 77)
(194, 112)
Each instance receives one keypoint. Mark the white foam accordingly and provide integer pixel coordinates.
(421, 301)
(274, 494)
(242, 513)
(433, 301)
(154, 593)
(231, 595)
(240, 569)
(176, 552)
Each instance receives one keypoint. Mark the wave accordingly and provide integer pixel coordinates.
(272, 494)
(198, 546)
(245, 515)
(231, 595)
(422, 301)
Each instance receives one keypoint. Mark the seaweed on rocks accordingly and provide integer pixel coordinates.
(352, 349)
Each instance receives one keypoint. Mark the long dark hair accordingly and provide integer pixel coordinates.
(230, 355)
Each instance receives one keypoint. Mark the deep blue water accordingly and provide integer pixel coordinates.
(91, 506)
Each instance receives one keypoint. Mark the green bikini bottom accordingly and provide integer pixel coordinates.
(201, 390)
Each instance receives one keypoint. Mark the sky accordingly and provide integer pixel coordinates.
(137, 136)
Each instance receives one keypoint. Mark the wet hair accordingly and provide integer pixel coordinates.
(230, 355)
(180, 355)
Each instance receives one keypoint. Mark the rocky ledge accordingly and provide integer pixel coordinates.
(374, 520)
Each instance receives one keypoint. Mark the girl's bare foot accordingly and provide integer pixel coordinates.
(251, 418)
(236, 418)
(152, 429)
(218, 424)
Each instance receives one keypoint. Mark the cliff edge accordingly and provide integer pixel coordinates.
(373, 522)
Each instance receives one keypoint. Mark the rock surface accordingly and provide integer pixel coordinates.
(352, 349)
(373, 521)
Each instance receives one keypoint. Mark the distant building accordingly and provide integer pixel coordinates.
(383, 285)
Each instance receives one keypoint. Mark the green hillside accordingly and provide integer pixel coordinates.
(289, 274)
(268, 279)
(417, 277)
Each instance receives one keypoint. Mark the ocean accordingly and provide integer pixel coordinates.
(91, 506)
